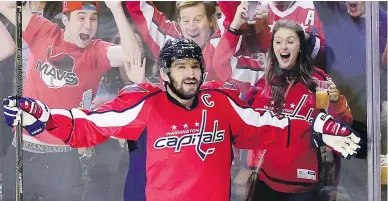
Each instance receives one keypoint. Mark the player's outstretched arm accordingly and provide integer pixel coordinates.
(124, 117)
(254, 130)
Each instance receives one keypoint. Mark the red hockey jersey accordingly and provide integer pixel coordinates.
(183, 153)
(241, 58)
(293, 168)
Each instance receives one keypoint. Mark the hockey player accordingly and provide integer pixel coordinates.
(184, 134)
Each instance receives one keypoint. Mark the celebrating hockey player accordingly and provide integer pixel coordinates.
(184, 134)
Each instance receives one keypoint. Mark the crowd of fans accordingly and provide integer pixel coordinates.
(67, 51)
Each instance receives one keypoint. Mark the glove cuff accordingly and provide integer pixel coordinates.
(45, 111)
(325, 124)
(316, 140)
(320, 121)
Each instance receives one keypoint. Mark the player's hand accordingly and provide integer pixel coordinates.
(35, 114)
(333, 93)
(337, 136)
(136, 69)
(113, 4)
(241, 16)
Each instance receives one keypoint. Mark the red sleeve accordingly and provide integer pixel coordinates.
(100, 48)
(228, 8)
(152, 25)
(224, 60)
(124, 117)
(38, 29)
(252, 130)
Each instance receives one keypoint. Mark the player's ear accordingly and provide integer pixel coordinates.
(163, 74)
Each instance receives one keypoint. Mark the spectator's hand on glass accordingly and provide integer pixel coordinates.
(241, 16)
(136, 69)
(113, 4)
(333, 93)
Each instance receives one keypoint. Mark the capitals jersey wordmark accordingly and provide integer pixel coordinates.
(194, 139)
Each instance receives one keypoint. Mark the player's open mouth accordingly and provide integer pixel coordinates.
(84, 37)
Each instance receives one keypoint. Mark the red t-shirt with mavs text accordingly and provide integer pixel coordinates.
(59, 72)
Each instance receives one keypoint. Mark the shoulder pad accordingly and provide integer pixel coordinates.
(139, 88)
(222, 86)
(218, 85)
(131, 95)
(138, 91)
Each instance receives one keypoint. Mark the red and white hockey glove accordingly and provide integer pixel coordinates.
(338, 136)
(35, 114)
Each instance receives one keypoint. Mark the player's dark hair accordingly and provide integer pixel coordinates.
(180, 48)
(277, 79)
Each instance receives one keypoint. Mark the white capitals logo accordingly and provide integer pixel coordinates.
(194, 139)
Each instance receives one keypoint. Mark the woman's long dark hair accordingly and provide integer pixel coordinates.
(277, 79)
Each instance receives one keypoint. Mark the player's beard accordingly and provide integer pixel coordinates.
(180, 91)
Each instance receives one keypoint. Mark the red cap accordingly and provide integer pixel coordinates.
(68, 6)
